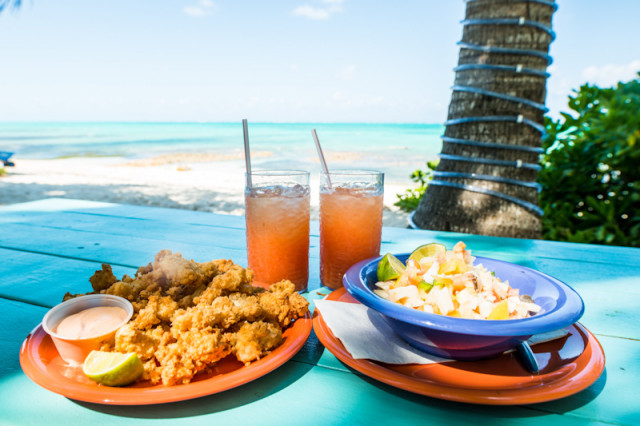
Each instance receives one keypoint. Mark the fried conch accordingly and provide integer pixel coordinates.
(189, 315)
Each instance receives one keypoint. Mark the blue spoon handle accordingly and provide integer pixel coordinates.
(527, 358)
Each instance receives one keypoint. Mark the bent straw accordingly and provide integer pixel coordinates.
(247, 152)
(321, 155)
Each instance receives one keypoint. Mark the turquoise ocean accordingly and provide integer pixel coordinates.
(396, 149)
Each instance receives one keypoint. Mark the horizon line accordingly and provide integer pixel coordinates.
(211, 122)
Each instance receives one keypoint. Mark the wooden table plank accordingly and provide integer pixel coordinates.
(26, 212)
(126, 254)
(19, 319)
(299, 389)
(514, 249)
(42, 279)
(395, 239)
(122, 226)
(291, 395)
(30, 212)
(74, 235)
(41, 258)
(79, 226)
(127, 249)
(129, 252)
(612, 398)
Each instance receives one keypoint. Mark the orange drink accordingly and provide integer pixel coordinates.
(277, 220)
(350, 221)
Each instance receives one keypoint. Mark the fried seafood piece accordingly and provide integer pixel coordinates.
(128, 290)
(218, 314)
(152, 371)
(254, 340)
(144, 343)
(192, 352)
(223, 312)
(170, 269)
(176, 276)
(282, 304)
(235, 279)
(158, 310)
(68, 295)
(168, 275)
(246, 307)
(103, 279)
(215, 267)
(100, 281)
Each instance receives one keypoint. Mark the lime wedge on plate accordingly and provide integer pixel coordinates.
(427, 250)
(112, 368)
(390, 268)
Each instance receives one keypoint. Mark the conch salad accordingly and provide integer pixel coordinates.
(446, 282)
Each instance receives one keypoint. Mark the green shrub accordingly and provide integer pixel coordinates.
(591, 168)
(409, 200)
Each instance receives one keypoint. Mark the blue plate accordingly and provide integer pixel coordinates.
(471, 339)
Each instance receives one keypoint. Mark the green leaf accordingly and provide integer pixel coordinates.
(590, 177)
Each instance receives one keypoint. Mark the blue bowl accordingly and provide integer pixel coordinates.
(471, 339)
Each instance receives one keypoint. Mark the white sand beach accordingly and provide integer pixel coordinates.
(184, 181)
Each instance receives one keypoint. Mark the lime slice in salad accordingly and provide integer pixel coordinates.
(390, 268)
(427, 250)
(112, 368)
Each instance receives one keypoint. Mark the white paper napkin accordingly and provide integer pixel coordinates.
(367, 336)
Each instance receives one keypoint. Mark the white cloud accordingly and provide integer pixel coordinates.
(319, 13)
(377, 101)
(310, 12)
(194, 11)
(334, 5)
(611, 74)
(347, 73)
(253, 101)
(201, 8)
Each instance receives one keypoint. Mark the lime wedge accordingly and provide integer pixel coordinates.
(390, 268)
(427, 250)
(112, 368)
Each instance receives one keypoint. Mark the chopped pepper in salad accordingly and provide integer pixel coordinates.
(447, 282)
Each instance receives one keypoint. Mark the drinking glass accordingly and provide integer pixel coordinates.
(350, 220)
(277, 222)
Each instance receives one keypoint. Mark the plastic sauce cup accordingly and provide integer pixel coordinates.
(74, 351)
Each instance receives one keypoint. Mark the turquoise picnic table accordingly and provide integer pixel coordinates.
(52, 246)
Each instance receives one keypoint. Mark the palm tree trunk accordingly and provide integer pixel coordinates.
(486, 180)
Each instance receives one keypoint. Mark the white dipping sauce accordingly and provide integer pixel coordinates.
(92, 322)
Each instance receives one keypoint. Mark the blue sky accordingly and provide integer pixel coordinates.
(281, 61)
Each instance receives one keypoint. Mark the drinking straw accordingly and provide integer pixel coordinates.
(247, 153)
(321, 155)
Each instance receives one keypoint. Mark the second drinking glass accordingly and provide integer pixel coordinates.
(277, 220)
(350, 221)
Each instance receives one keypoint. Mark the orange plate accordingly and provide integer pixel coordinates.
(40, 361)
(567, 366)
